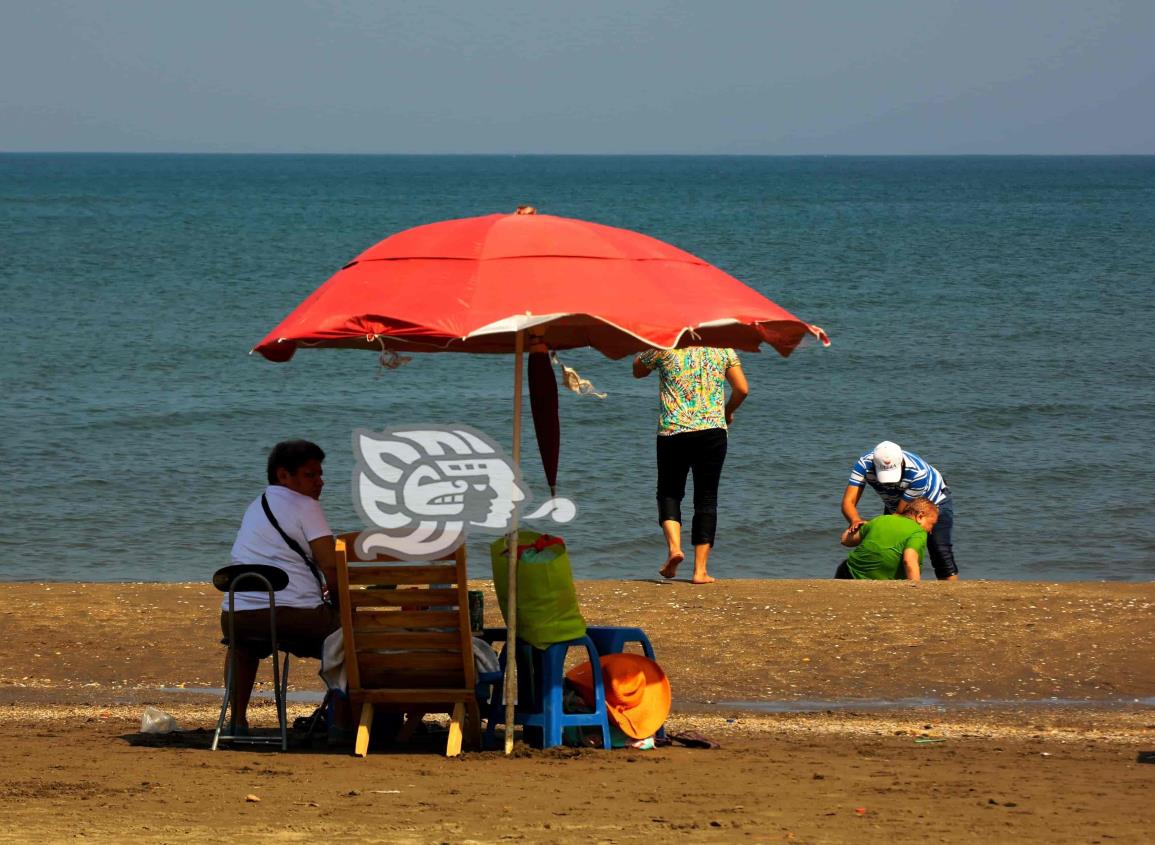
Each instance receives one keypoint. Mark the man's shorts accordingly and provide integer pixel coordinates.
(300, 630)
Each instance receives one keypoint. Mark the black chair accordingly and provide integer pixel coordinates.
(253, 578)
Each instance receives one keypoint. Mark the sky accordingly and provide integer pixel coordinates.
(827, 77)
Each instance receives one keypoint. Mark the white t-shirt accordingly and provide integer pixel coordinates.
(258, 541)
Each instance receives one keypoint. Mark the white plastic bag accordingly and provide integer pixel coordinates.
(156, 721)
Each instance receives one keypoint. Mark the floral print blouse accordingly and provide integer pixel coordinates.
(693, 391)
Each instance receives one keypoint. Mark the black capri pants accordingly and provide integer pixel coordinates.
(702, 453)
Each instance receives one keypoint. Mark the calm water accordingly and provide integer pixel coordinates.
(992, 314)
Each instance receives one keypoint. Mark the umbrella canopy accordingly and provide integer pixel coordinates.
(472, 285)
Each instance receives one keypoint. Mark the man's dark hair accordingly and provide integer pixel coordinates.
(291, 455)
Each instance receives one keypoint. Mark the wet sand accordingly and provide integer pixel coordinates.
(1038, 699)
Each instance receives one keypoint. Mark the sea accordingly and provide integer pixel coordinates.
(991, 314)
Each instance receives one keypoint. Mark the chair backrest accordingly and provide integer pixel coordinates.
(405, 624)
(241, 577)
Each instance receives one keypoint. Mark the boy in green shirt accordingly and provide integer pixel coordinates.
(889, 547)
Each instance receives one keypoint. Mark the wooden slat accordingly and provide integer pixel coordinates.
(364, 621)
(410, 679)
(403, 598)
(353, 556)
(439, 640)
(418, 661)
(422, 708)
(403, 574)
(416, 696)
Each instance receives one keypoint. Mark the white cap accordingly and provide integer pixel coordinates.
(887, 462)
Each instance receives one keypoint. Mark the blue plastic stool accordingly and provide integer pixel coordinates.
(610, 639)
(542, 707)
(541, 683)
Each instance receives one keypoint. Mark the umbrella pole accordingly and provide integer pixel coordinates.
(510, 690)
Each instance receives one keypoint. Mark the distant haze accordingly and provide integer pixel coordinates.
(596, 76)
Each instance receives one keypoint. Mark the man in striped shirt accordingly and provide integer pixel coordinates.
(899, 477)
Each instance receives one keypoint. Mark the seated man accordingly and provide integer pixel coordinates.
(889, 547)
(284, 527)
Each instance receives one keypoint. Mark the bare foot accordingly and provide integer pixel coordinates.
(671, 567)
(703, 579)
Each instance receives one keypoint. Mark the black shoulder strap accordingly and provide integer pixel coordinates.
(292, 544)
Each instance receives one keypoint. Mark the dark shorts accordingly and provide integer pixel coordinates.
(300, 630)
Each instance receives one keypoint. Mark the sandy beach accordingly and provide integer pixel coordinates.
(972, 712)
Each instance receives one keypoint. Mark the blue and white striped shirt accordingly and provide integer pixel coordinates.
(919, 479)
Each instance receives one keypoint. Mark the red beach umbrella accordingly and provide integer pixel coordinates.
(481, 284)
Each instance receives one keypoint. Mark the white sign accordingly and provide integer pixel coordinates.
(423, 489)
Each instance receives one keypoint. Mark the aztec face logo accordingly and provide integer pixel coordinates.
(422, 488)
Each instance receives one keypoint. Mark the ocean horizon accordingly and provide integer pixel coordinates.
(655, 155)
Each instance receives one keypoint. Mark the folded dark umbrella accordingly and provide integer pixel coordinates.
(543, 404)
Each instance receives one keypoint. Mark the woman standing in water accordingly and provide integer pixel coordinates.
(692, 438)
